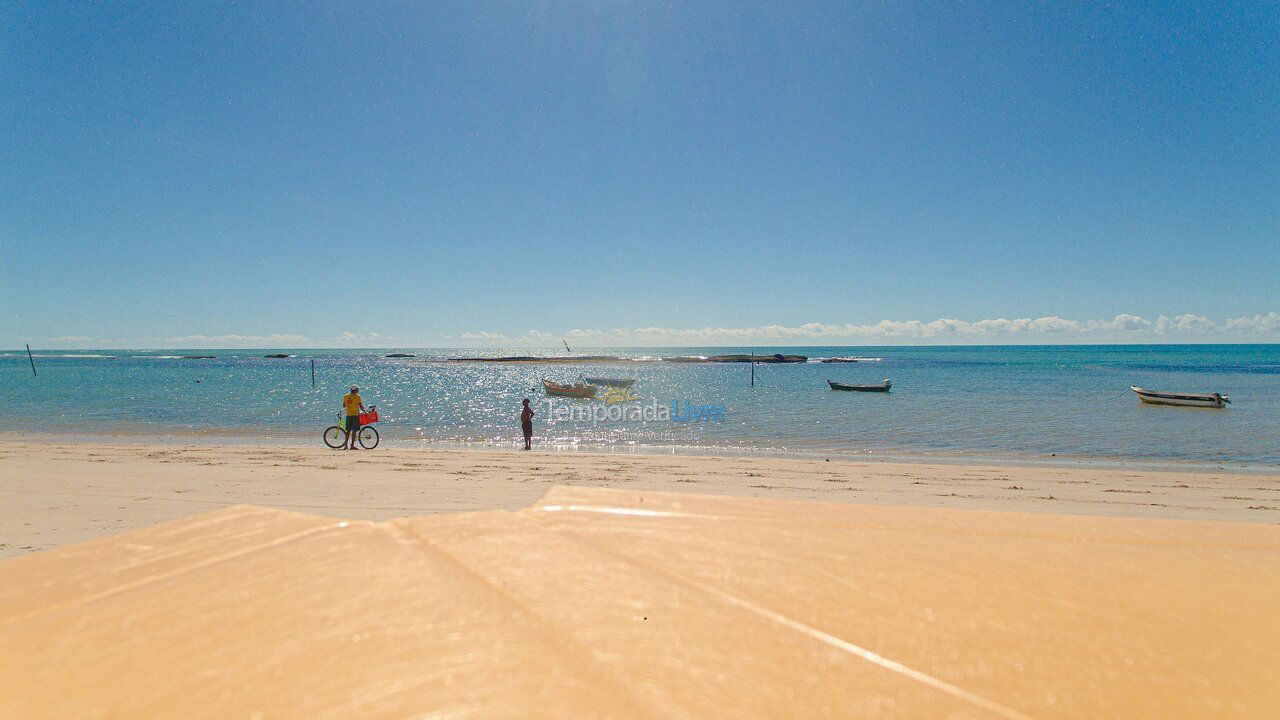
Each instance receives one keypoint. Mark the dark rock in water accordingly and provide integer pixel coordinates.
(564, 360)
(509, 358)
(199, 357)
(840, 360)
(775, 358)
(277, 355)
(400, 355)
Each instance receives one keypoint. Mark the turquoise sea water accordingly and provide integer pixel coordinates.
(1021, 403)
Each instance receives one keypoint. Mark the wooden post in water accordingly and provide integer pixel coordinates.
(753, 368)
(32, 360)
(313, 374)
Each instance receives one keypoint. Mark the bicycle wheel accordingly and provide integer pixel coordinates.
(334, 436)
(368, 437)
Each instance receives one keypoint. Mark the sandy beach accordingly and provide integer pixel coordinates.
(625, 603)
(61, 493)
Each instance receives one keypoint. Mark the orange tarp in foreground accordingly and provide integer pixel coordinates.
(599, 603)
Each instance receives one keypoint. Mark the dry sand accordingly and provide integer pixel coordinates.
(599, 603)
(54, 494)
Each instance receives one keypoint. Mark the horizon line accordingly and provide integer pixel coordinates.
(23, 350)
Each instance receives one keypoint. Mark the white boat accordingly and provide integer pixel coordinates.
(577, 390)
(1210, 400)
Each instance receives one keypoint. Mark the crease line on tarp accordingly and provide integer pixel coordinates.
(868, 655)
(1143, 540)
(778, 618)
(637, 512)
(401, 529)
(291, 507)
(95, 597)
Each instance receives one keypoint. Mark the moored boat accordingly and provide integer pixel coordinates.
(610, 382)
(1208, 400)
(577, 390)
(877, 387)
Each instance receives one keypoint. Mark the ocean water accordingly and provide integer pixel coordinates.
(1035, 403)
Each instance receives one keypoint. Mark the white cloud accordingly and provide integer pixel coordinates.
(1124, 327)
(1196, 324)
(277, 340)
(580, 334)
(1269, 323)
(1122, 322)
(274, 340)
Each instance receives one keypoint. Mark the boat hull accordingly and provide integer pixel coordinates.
(879, 387)
(573, 391)
(1151, 397)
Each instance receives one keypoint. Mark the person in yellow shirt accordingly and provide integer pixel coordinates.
(353, 406)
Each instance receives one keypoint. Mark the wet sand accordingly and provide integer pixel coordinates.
(60, 493)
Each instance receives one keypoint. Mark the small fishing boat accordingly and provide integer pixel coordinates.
(610, 382)
(577, 390)
(1210, 400)
(878, 387)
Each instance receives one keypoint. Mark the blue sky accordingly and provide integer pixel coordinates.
(448, 173)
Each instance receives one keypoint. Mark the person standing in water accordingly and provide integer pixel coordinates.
(352, 405)
(526, 424)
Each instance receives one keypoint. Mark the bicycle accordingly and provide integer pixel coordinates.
(335, 435)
